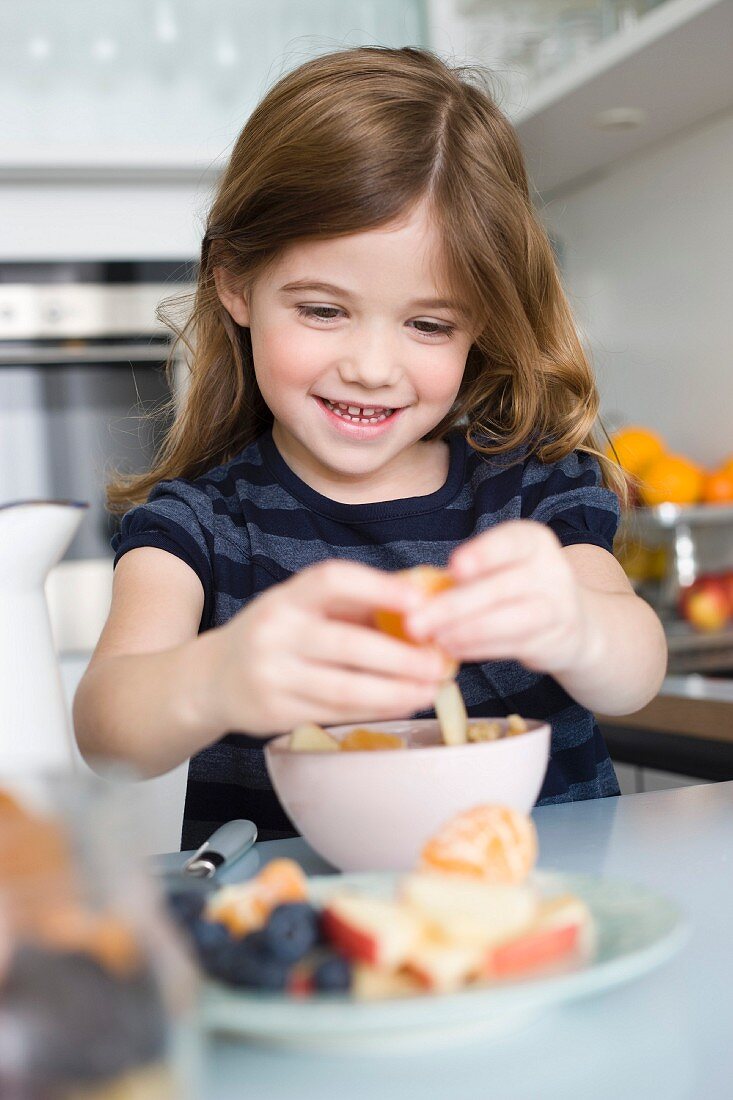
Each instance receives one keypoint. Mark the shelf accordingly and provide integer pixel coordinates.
(675, 65)
(668, 517)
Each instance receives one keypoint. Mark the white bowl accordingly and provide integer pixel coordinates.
(373, 811)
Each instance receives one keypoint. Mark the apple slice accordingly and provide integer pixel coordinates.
(469, 911)
(369, 983)
(309, 737)
(371, 930)
(443, 965)
(562, 931)
(451, 713)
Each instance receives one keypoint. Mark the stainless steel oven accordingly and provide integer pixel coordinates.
(82, 357)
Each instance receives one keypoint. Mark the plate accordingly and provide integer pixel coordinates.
(637, 930)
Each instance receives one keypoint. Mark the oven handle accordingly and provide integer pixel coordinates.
(97, 354)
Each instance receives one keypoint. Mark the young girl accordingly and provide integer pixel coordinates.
(385, 372)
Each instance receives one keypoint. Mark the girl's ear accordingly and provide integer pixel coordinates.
(232, 296)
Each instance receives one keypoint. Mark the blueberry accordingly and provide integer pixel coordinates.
(248, 963)
(291, 931)
(185, 906)
(333, 975)
(208, 937)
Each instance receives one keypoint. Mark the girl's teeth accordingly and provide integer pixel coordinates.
(355, 412)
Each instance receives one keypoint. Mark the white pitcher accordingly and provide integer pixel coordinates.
(35, 732)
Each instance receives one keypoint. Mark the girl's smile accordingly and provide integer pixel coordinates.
(358, 355)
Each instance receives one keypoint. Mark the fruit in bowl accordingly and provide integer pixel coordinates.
(375, 809)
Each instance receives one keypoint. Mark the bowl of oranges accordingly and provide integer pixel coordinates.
(662, 476)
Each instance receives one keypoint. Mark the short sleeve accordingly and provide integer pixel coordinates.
(177, 517)
(570, 498)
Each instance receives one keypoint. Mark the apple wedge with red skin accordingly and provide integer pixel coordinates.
(562, 931)
(371, 930)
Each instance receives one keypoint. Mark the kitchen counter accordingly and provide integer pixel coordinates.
(687, 729)
(692, 706)
(667, 1034)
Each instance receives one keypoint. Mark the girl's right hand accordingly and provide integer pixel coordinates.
(305, 650)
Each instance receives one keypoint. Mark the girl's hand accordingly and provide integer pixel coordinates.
(516, 597)
(305, 650)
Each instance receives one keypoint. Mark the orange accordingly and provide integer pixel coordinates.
(360, 740)
(672, 478)
(635, 448)
(283, 880)
(430, 580)
(718, 486)
(494, 843)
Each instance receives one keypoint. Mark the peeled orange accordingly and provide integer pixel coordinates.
(493, 843)
(672, 479)
(635, 447)
(430, 580)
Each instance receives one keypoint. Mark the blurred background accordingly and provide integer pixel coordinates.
(115, 122)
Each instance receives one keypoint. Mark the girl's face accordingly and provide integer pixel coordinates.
(356, 353)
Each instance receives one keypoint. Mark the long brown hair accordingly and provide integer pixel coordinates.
(352, 141)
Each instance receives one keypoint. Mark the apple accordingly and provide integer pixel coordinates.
(309, 737)
(563, 929)
(468, 911)
(371, 930)
(706, 603)
(369, 983)
(443, 965)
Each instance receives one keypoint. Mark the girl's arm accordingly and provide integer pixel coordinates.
(570, 612)
(155, 692)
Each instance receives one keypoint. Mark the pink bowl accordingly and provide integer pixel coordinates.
(370, 811)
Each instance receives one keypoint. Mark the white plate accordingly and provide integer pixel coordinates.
(636, 930)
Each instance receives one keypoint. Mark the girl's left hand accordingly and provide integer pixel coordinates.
(516, 597)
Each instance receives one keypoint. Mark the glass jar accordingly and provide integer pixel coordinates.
(96, 993)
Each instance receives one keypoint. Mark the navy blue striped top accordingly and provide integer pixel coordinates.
(253, 522)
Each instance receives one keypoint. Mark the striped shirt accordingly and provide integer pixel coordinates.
(252, 522)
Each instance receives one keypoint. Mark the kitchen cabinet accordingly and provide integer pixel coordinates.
(669, 71)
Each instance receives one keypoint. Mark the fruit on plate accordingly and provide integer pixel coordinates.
(371, 930)
(364, 740)
(468, 911)
(245, 908)
(706, 604)
(634, 448)
(493, 843)
(309, 737)
(429, 580)
(442, 963)
(563, 928)
(671, 479)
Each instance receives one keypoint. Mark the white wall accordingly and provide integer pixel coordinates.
(649, 267)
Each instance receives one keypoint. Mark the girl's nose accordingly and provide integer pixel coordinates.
(371, 363)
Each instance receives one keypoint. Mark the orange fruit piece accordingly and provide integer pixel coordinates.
(430, 580)
(494, 843)
(718, 486)
(635, 447)
(283, 880)
(362, 740)
(672, 479)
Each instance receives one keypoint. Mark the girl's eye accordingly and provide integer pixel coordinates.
(319, 313)
(432, 328)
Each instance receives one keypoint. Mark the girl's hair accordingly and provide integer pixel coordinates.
(351, 141)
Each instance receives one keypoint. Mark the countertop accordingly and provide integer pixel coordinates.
(666, 1035)
(690, 706)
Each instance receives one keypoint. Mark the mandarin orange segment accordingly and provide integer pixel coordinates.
(430, 580)
(494, 843)
(363, 740)
(283, 880)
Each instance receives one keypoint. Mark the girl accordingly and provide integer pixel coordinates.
(385, 373)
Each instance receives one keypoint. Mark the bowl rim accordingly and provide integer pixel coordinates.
(278, 745)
